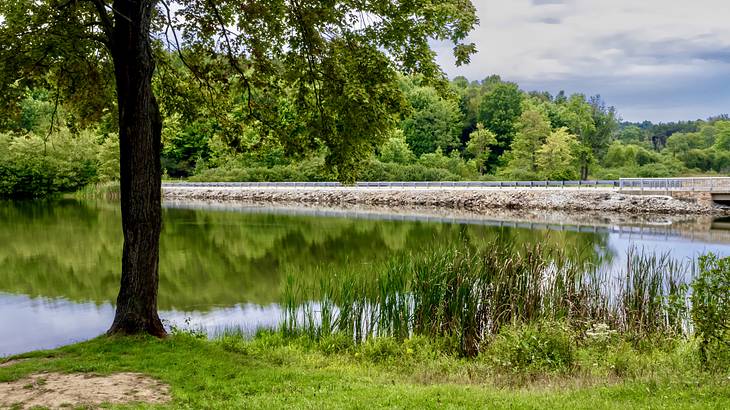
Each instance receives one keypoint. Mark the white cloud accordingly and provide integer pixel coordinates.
(605, 47)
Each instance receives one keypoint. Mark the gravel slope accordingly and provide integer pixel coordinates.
(472, 199)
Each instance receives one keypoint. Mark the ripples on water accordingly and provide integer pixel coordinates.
(222, 266)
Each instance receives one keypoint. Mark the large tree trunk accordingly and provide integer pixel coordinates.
(140, 127)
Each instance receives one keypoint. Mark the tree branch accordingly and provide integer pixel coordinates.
(234, 63)
(107, 24)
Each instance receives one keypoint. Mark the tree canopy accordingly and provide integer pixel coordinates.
(311, 75)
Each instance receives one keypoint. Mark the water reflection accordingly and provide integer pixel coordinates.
(40, 323)
(223, 265)
(43, 323)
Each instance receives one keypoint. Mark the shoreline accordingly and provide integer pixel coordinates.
(472, 200)
(691, 227)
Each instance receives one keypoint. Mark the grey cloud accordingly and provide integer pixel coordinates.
(720, 55)
(673, 50)
(683, 98)
(649, 61)
(549, 20)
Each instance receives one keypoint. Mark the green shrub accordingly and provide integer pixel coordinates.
(538, 347)
(381, 349)
(337, 342)
(389, 171)
(108, 159)
(306, 170)
(31, 166)
(711, 310)
(622, 361)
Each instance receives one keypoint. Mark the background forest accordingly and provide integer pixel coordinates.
(457, 130)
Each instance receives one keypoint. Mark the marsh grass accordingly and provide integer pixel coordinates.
(470, 295)
(99, 190)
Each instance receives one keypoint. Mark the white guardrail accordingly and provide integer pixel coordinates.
(705, 184)
(700, 184)
(411, 184)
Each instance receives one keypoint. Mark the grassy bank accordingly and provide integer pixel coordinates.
(507, 326)
(272, 371)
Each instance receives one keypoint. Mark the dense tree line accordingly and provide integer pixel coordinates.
(488, 129)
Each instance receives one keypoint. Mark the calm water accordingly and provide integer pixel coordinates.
(224, 267)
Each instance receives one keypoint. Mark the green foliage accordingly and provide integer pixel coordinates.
(381, 349)
(33, 166)
(722, 136)
(184, 148)
(310, 169)
(201, 145)
(396, 149)
(533, 128)
(108, 159)
(534, 348)
(577, 115)
(557, 157)
(312, 75)
(605, 126)
(36, 112)
(632, 135)
(711, 310)
(385, 171)
(430, 167)
(478, 146)
(499, 110)
(434, 122)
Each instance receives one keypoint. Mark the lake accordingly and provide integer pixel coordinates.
(224, 266)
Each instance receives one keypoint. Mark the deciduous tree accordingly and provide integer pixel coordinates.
(479, 145)
(556, 158)
(325, 71)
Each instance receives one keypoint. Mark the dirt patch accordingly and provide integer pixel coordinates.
(12, 362)
(58, 390)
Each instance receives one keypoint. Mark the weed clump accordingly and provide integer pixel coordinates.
(536, 347)
(711, 310)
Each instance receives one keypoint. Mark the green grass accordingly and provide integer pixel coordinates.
(273, 371)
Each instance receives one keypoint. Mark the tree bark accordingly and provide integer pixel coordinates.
(584, 171)
(140, 127)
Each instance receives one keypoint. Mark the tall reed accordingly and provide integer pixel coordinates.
(469, 295)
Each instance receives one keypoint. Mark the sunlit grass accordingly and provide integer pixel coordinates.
(276, 371)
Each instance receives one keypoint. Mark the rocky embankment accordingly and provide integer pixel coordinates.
(473, 200)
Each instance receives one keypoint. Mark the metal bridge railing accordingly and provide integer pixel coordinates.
(398, 184)
(701, 184)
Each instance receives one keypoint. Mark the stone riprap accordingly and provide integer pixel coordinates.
(472, 199)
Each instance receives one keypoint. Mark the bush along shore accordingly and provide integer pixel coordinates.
(509, 327)
(475, 200)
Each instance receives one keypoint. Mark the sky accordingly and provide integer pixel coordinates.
(657, 60)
